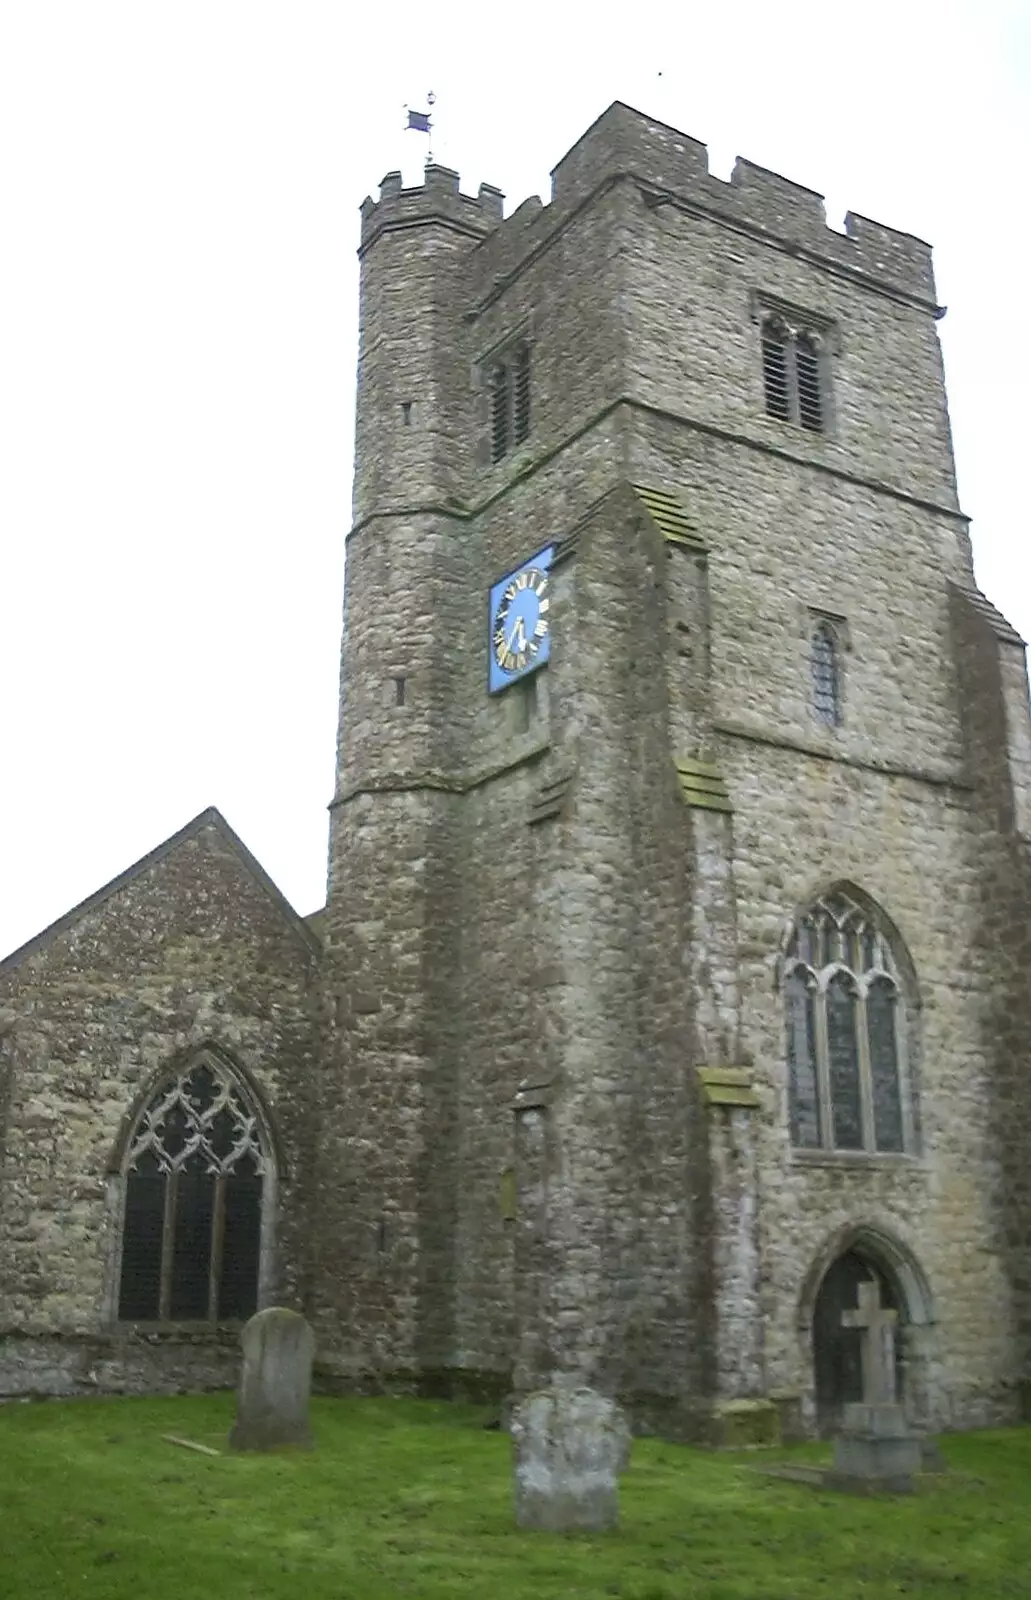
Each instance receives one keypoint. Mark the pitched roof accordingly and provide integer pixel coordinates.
(210, 818)
(991, 614)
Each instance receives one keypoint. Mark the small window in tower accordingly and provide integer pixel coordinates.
(825, 662)
(794, 373)
(508, 389)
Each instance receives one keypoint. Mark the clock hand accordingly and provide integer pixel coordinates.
(515, 630)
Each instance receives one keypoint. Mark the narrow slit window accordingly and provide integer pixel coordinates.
(826, 671)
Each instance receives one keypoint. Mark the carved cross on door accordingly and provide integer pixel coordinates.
(876, 1324)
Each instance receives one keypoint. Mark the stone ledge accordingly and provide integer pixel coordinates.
(702, 786)
(727, 1086)
(754, 734)
(711, 430)
(439, 782)
(860, 1160)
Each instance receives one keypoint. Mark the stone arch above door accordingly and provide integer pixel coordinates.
(853, 1254)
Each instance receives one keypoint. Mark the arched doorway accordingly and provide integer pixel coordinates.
(836, 1348)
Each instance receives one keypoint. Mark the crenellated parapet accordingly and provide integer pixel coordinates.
(438, 199)
(674, 169)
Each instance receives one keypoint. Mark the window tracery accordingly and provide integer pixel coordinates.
(845, 1018)
(195, 1175)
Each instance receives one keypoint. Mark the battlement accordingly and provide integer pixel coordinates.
(624, 141)
(672, 168)
(438, 198)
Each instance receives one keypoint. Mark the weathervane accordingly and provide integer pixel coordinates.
(422, 122)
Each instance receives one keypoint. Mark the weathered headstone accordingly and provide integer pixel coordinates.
(570, 1446)
(876, 1447)
(275, 1384)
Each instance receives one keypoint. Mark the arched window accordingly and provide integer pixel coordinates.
(845, 1019)
(826, 669)
(196, 1176)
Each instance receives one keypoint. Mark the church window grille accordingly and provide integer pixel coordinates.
(508, 384)
(793, 374)
(196, 1176)
(845, 1023)
(825, 662)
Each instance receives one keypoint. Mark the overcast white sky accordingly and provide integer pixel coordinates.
(179, 192)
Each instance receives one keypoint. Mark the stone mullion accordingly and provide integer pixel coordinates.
(218, 1229)
(823, 1070)
(902, 1074)
(791, 373)
(865, 1072)
(168, 1247)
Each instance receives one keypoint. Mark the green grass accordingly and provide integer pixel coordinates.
(405, 1498)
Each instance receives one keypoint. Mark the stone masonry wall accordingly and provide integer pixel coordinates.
(495, 1160)
(517, 1166)
(191, 950)
(997, 728)
(859, 524)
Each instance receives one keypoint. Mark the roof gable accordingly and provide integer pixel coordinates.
(210, 818)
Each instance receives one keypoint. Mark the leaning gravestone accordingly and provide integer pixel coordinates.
(876, 1448)
(275, 1385)
(570, 1447)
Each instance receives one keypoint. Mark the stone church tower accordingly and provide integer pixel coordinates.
(673, 973)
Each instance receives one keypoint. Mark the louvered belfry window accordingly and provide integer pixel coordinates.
(195, 1178)
(793, 377)
(509, 390)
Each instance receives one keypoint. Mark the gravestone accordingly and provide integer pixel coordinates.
(570, 1446)
(876, 1448)
(275, 1384)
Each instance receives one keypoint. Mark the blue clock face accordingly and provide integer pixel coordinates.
(520, 631)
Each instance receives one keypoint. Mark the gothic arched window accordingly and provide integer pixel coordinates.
(845, 1019)
(196, 1176)
(825, 662)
